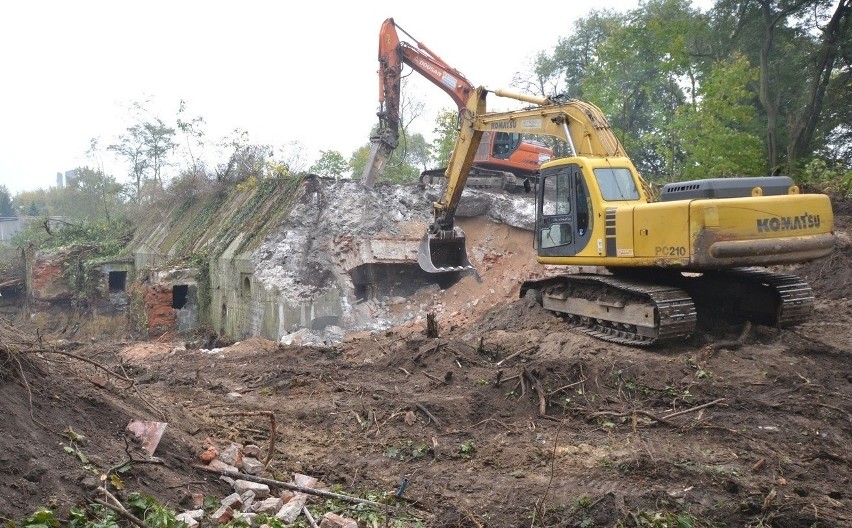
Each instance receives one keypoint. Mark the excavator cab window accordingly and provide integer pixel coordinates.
(616, 183)
(555, 226)
(565, 215)
(505, 143)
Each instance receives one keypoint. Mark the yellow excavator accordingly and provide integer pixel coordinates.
(702, 248)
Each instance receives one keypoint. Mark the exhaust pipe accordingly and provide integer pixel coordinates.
(443, 252)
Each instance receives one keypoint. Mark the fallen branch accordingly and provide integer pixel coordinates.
(501, 379)
(693, 409)
(118, 508)
(79, 358)
(562, 388)
(310, 517)
(536, 386)
(436, 378)
(516, 354)
(286, 485)
(271, 416)
(661, 419)
(632, 413)
(430, 415)
(122, 512)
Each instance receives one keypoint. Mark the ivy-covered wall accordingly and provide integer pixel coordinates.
(214, 236)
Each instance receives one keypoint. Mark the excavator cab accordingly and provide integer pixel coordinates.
(563, 215)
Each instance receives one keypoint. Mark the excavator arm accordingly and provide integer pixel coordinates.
(393, 54)
(581, 125)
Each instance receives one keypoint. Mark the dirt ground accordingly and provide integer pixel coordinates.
(750, 436)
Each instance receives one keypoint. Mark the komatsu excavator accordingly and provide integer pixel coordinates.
(504, 159)
(698, 250)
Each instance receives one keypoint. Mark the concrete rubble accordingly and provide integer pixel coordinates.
(348, 254)
(250, 498)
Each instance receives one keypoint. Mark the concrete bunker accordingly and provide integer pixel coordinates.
(379, 280)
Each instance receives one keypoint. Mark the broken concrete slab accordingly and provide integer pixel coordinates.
(333, 520)
(261, 491)
(148, 433)
(292, 508)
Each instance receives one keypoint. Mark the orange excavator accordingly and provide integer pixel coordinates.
(503, 159)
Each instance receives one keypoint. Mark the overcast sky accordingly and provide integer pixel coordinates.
(283, 71)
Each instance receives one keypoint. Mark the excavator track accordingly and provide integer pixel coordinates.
(757, 295)
(620, 311)
(647, 309)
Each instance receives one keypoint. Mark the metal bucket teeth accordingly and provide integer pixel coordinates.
(443, 255)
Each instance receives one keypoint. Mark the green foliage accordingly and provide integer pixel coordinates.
(42, 518)
(719, 136)
(146, 147)
(368, 515)
(835, 180)
(107, 239)
(467, 449)
(687, 96)
(153, 513)
(446, 133)
(409, 451)
(331, 164)
(358, 161)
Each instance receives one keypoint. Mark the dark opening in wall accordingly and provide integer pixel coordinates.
(117, 280)
(380, 280)
(180, 294)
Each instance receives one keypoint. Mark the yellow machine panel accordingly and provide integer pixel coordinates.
(761, 230)
(662, 231)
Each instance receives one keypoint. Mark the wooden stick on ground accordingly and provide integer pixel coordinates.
(516, 354)
(430, 415)
(286, 485)
(310, 517)
(436, 378)
(693, 409)
(536, 386)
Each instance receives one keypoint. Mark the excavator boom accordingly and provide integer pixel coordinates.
(505, 158)
(393, 54)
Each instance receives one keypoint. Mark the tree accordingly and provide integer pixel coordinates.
(131, 147)
(719, 135)
(635, 67)
(96, 196)
(358, 160)
(6, 208)
(146, 146)
(331, 164)
(446, 132)
(801, 48)
(193, 133)
(159, 144)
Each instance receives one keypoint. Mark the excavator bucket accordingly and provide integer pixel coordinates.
(438, 254)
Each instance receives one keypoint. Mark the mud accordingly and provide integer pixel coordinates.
(763, 438)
